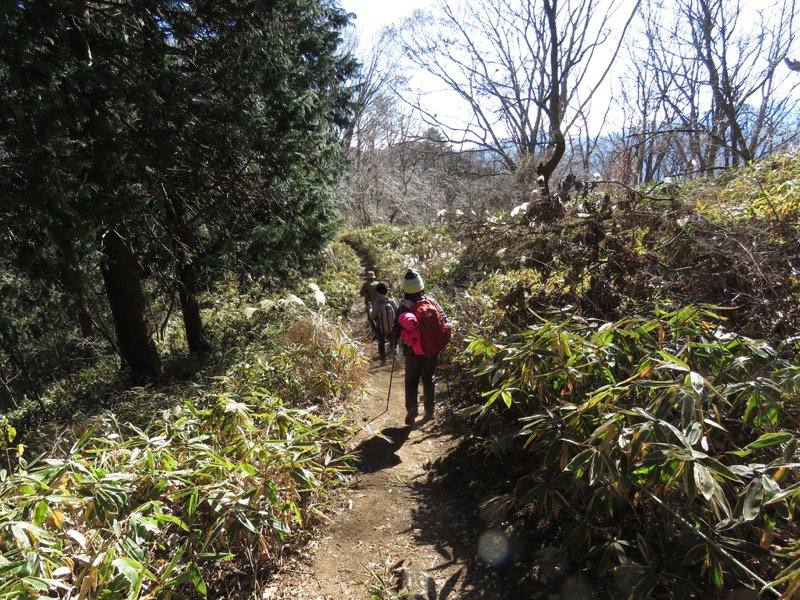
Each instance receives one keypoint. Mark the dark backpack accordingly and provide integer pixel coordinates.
(435, 333)
(385, 319)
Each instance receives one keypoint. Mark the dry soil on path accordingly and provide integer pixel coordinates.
(416, 517)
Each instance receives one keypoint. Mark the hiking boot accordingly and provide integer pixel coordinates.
(428, 412)
(411, 416)
(383, 362)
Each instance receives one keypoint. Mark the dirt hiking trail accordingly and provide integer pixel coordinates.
(416, 518)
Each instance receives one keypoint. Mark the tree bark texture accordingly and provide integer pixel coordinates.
(183, 237)
(190, 309)
(124, 289)
(86, 324)
(555, 109)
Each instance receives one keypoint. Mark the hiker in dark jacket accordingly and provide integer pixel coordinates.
(382, 317)
(419, 367)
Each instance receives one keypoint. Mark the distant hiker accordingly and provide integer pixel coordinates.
(382, 317)
(368, 292)
(422, 343)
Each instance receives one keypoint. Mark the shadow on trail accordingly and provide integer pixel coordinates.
(447, 589)
(461, 514)
(380, 451)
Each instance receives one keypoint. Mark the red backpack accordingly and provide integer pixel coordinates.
(435, 332)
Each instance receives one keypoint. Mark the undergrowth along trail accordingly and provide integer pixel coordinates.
(409, 521)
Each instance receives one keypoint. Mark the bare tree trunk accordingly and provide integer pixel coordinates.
(546, 169)
(720, 84)
(86, 324)
(525, 71)
(182, 237)
(124, 289)
(190, 309)
(714, 67)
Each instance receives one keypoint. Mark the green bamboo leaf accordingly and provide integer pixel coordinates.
(720, 469)
(768, 440)
(193, 501)
(20, 535)
(751, 500)
(165, 518)
(493, 395)
(704, 480)
(303, 478)
(696, 381)
(678, 434)
(105, 501)
(497, 376)
(672, 362)
(214, 556)
(157, 489)
(603, 335)
(471, 411)
(752, 412)
(645, 334)
(81, 442)
(695, 555)
(7, 566)
(577, 463)
(176, 557)
(40, 514)
(596, 468)
(43, 585)
(716, 572)
(197, 579)
(277, 525)
(714, 424)
(130, 570)
(644, 586)
(148, 524)
(790, 451)
(689, 480)
(745, 547)
(694, 433)
(687, 409)
(32, 564)
(248, 469)
(791, 570)
(245, 522)
(771, 487)
(788, 492)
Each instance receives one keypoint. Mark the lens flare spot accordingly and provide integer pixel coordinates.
(494, 547)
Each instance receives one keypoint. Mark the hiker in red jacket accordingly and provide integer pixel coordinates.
(425, 333)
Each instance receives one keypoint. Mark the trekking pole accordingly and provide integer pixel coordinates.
(391, 376)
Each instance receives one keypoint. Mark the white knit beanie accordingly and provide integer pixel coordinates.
(412, 282)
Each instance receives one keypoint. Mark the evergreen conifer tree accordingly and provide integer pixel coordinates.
(167, 140)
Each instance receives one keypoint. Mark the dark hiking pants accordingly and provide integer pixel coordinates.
(382, 341)
(420, 368)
